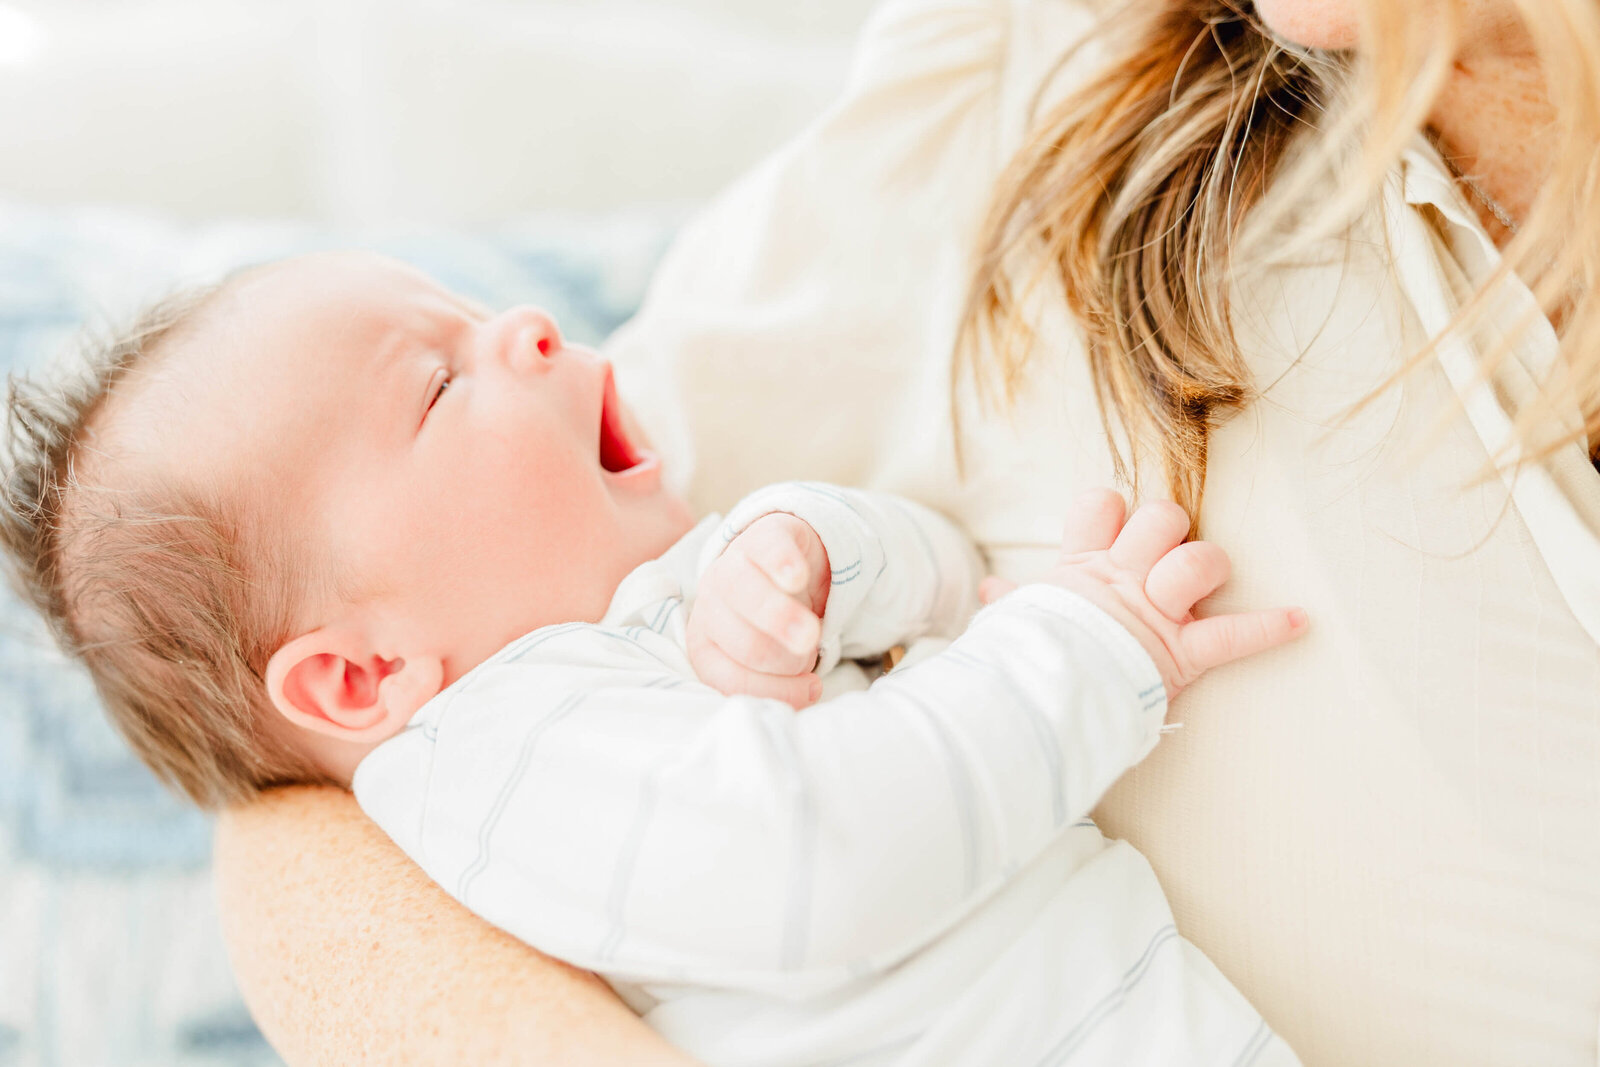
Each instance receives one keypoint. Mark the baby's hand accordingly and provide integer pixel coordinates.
(756, 620)
(1143, 574)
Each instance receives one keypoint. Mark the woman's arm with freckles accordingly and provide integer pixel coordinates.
(348, 954)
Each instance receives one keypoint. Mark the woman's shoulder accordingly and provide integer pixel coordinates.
(939, 94)
(855, 236)
(1015, 46)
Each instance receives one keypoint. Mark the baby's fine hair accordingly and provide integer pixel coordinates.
(149, 586)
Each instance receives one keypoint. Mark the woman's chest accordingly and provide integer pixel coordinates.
(1383, 833)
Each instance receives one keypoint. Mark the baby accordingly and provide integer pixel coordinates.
(329, 522)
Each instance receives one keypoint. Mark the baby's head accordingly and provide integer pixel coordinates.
(287, 511)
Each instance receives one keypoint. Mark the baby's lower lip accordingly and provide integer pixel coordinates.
(641, 479)
(645, 463)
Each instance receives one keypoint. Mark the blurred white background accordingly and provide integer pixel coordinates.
(376, 111)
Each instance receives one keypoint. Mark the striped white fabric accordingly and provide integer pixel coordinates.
(899, 874)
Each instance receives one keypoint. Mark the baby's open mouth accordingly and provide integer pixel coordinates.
(617, 453)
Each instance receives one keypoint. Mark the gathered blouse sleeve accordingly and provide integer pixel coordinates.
(836, 265)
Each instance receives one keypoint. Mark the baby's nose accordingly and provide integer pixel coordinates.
(531, 337)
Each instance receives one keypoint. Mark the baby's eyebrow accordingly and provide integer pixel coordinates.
(472, 307)
(392, 344)
(425, 325)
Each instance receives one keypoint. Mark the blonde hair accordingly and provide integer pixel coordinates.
(1152, 187)
(148, 586)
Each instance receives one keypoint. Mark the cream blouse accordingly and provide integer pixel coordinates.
(1387, 834)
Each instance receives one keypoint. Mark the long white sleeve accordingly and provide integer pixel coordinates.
(580, 793)
(900, 571)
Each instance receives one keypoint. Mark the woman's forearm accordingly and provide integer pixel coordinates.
(347, 953)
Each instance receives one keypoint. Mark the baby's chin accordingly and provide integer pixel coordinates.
(669, 518)
(682, 514)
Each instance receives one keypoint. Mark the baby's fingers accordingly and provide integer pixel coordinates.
(776, 545)
(1208, 643)
(756, 622)
(1093, 521)
(1189, 573)
(1149, 534)
(763, 630)
(718, 670)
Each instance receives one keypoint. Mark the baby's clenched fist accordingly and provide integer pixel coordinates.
(757, 618)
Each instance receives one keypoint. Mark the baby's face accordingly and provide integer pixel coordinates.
(473, 474)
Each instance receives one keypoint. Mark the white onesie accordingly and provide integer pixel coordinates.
(902, 874)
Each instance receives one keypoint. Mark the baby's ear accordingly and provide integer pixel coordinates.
(332, 681)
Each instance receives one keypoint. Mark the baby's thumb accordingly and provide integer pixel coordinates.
(992, 589)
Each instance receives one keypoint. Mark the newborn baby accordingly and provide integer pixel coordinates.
(329, 522)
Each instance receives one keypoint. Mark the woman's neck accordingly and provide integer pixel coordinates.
(1495, 123)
